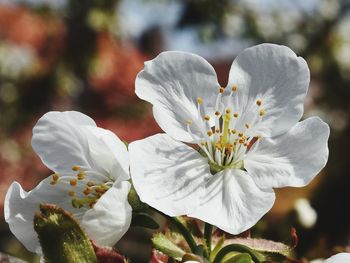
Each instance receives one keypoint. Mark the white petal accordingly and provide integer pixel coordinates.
(172, 82)
(58, 140)
(233, 202)
(276, 76)
(291, 159)
(110, 218)
(339, 258)
(20, 206)
(108, 154)
(168, 175)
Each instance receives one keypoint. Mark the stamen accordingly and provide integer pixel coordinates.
(217, 113)
(189, 122)
(262, 112)
(199, 100)
(247, 125)
(222, 90)
(258, 102)
(55, 177)
(81, 175)
(73, 182)
(207, 117)
(90, 183)
(76, 168)
(235, 115)
(210, 133)
(71, 193)
(234, 88)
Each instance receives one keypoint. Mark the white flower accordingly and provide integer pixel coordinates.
(306, 214)
(90, 180)
(339, 258)
(248, 134)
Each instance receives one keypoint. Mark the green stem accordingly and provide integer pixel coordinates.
(256, 257)
(182, 229)
(208, 229)
(184, 232)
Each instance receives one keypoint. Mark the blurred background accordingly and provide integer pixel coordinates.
(84, 55)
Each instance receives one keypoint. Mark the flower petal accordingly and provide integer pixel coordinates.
(110, 218)
(168, 175)
(339, 258)
(58, 140)
(277, 77)
(108, 153)
(233, 202)
(291, 159)
(172, 82)
(20, 206)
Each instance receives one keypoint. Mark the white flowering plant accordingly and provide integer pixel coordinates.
(211, 174)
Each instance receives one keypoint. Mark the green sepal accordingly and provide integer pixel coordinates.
(217, 248)
(144, 220)
(164, 245)
(135, 202)
(240, 258)
(61, 238)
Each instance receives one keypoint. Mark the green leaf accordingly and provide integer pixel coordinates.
(61, 238)
(164, 245)
(144, 220)
(217, 247)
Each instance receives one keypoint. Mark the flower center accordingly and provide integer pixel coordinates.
(81, 188)
(226, 143)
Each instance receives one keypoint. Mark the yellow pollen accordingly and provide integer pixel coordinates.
(76, 168)
(87, 191)
(199, 100)
(234, 88)
(73, 182)
(228, 111)
(217, 113)
(55, 177)
(233, 131)
(189, 122)
(240, 134)
(100, 189)
(81, 175)
(217, 130)
(221, 90)
(235, 115)
(235, 143)
(247, 125)
(258, 102)
(207, 117)
(210, 133)
(90, 183)
(242, 140)
(71, 193)
(262, 112)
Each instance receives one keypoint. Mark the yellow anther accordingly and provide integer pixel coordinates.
(81, 175)
(73, 182)
(100, 189)
(245, 144)
(210, 133)
(90, 183)
(228, 111)
(217, 113)
(233, 131)
(71, 193)
(87, 191)
(240, 134)
(222, 90)
(199, 100)
(217, 130)
(235, 115)
(234, 88)
(76, 168)
(247, 125)
(262, 112)
(207, 117)
(189, 122)
(55, 177)
(258, 102)
(242, 140)
(235, 143)
(53, 182)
